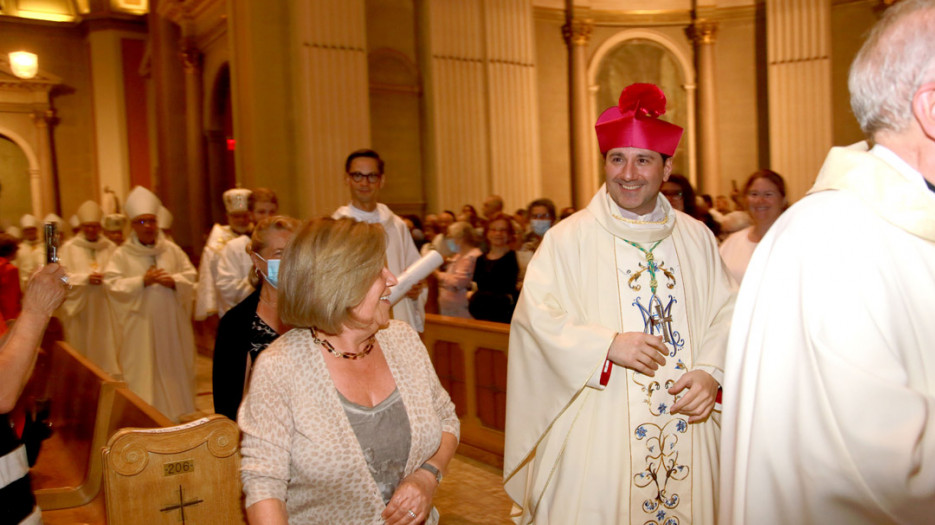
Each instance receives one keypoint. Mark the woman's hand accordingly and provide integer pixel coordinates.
(412, 501)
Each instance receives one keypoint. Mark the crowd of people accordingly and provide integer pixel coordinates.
(673, 357)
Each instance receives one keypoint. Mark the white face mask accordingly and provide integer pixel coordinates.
(272, 271)
(540, 226)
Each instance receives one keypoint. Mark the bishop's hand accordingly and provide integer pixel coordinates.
(638, 351)
(699, 400)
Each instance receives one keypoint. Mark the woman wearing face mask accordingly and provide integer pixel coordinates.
(541, 218)
(248, 328)
(455, 282)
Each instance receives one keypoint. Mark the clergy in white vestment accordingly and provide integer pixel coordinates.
(364, 176)
(239, 223)
(86, 313)
(617, 346)
(112, 226)
(164, 221)
(234, 279)
(830, 373)
(27, 256)
(150, 282)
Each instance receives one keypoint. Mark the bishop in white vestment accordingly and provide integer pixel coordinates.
(87, 317)
(150, 281)
(240, 222)
(593, 437)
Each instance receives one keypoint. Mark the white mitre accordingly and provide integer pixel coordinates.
(237, 199)
(114, 222)
(164, 218)
(89, 211)
(28, 221)
(54, 218)
(141, 201)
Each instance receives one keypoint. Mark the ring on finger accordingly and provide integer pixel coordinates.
(411, 514)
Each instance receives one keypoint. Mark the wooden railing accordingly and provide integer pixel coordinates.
(470, 359)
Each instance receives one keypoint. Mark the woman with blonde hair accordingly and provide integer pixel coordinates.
(345, 420)
(454, 282)
(248, 328)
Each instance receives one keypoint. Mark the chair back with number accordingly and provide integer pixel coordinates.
(182, 474)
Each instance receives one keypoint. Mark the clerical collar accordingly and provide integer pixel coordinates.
(897, 163)
(365, 216)
(658, 215)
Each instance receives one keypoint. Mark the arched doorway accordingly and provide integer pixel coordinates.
(15, 190)
(221, 144)
(645, 56)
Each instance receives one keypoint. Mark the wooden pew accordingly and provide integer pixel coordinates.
(87, 406)
(470, 359)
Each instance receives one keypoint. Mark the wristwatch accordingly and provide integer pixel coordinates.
(435, 472)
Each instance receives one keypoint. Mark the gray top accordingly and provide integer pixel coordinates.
(383, 434)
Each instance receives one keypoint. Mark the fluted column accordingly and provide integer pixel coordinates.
(194, 142)
(703, 33)
(481, 102)
(799, 78)
(515, 171)
(47, 184)
(332, 98)
(577, 34)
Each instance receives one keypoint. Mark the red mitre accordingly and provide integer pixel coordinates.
(635, 123)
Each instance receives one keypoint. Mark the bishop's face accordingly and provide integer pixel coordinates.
(634, 176)
(146, 228)
(91, 230)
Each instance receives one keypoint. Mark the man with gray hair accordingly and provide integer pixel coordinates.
(829, 391)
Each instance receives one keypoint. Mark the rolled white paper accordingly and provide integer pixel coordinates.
(416, 272)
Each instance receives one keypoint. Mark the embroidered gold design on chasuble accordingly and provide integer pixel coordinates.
(660, 442)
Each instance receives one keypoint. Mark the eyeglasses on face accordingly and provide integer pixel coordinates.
(145, 222)
(371, 177)
(670, 193)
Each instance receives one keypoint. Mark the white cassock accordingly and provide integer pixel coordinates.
(206, 298)
(157, 347)
(86, 314)
(29, 257)
(233, 274)
(400, 253)
(577, 452)
(829, 392)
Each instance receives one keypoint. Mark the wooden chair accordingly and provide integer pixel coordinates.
(183, 474)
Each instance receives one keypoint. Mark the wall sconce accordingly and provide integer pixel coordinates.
(24, 64)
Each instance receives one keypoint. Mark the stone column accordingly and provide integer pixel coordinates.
(798, 38)
(577, 33)
(331, 97)
(703, 34)
(194, 142)
(48, 186)
(480, 102)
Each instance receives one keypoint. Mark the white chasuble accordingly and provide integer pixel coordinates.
(86, 314)
(206, 292)
(577, 452)
(157, 345)
(652, 300)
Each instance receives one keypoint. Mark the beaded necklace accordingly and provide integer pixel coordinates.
(331, 349)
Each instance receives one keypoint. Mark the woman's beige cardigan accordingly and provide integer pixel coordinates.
(298, 445)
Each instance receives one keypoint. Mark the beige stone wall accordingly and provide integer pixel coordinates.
(742, 141)
(850, 23)
(63, 52)
(554, 127)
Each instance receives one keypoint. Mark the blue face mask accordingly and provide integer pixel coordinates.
(452, 245)
(272, 271)
(540, 226)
